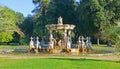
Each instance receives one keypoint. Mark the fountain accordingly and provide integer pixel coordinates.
(64, 43)
(58, 44)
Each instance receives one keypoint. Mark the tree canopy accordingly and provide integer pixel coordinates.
(8, 24)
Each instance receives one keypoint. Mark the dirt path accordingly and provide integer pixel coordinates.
(99, 57)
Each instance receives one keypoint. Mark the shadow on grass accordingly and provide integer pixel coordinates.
(84, 59)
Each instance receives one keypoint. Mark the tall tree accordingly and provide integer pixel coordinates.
(92, 18)
(8, 24)
(19, 21)
(96, 16)
(20, 18)
(54, 9)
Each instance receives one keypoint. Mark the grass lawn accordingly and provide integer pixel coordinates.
(57, 63)
(12, 47)
(8, 47)
(103, 47)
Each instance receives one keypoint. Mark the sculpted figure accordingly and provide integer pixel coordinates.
(31, 43)
(60, 20)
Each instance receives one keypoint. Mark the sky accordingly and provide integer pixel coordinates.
(23, 6)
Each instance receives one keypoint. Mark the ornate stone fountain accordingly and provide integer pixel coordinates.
(64, 43)
(57, 45)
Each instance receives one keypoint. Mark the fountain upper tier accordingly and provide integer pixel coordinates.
(60, 26)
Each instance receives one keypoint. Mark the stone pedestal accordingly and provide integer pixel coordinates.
(75, 51)
(54, 51)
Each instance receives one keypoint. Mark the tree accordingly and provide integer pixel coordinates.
(99, 19)
(28, 25)
(41, 6)
(91, 17)
(19, 21)
(8, 24)
(49, 14)
(20, 18)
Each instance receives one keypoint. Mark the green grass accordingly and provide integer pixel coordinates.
(11, 47)
(8, 47)
(57, 63)
(103, 47)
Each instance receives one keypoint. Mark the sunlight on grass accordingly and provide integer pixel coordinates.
(57, 63)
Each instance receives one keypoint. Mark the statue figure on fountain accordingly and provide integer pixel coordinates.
(37, 43)
(51, 43)
(42, 42)
(68, 44)
(31, 43)
(60, 22)
(88, 42)
(81, 42)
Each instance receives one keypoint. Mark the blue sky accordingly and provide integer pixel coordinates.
(23, 6)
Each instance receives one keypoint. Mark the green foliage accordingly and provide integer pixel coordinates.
(91, 17)
(41, 6)
(20, 18)
(7, 19)
(112, 34)
(5, 37)
(24, 40)
(28, 25)
(95, 17)
(7, 24)
(48, 14)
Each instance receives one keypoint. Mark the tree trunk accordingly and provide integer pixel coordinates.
(98, 41)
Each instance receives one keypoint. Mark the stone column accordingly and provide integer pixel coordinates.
(65, 34)
(69, 34)
(51, 35)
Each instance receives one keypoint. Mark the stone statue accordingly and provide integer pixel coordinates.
(42, 42)
(51, 36)
(37, 42)
(51, 43)
(60, 22)
(31, 43)
(69, 33)
(88, 42)
(59, 42)
(81, 42)
(68, 44)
